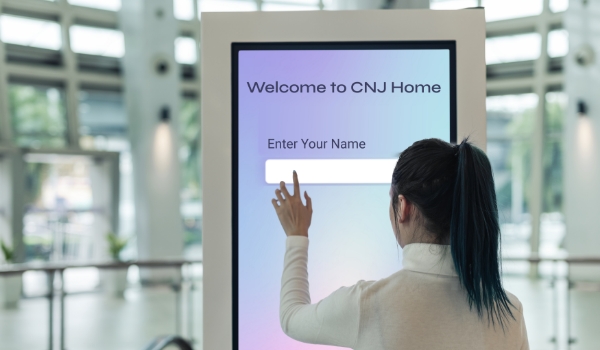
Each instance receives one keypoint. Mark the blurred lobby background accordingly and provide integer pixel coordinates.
(73, 171)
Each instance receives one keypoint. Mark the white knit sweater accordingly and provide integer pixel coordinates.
(422, 306)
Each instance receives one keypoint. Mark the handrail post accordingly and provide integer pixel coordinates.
(190, 305)
(555, 305)
(50, 274)
(178, 306)
(62, 309)
(570, 340)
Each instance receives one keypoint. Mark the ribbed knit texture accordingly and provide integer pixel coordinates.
(421, 306)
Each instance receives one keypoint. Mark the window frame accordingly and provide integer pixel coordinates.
(541, 80)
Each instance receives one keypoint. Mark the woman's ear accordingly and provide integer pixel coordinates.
(404, 207)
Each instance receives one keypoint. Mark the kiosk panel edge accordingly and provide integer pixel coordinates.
(220, 30)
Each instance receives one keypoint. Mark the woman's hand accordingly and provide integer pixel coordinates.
(293, 215)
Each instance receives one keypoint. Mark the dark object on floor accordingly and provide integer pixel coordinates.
(165, 341)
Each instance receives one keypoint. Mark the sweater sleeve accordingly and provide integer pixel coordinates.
(334, 320)
(525, 342)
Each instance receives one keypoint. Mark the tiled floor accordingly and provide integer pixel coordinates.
(95, 321)
(546, 314)
(98, 322)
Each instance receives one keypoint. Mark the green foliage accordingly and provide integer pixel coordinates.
(521, 131)
(553, 156)
(38, 116)
(115, 245)
(190, 165)
(190, 147)
(8, 252)
(37, 247)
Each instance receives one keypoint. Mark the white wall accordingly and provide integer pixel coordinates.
(582, 142)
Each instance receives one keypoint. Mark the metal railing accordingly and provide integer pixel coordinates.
(569, 284)
(53, 270)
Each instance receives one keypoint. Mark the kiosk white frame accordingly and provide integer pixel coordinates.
(220, 30)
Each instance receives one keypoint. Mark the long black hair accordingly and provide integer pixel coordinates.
(452, 186)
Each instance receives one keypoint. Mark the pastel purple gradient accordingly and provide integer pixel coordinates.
(350, 236)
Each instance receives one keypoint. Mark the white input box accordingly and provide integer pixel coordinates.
(330, 171)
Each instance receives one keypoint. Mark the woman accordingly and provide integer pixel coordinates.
(449, 293)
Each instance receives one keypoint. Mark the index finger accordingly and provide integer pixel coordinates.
(296, 184)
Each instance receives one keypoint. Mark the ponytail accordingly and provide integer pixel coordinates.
(475, 234)
(453, 188)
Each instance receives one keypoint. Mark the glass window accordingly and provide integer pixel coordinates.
(30, 32)
(97, 41)
(185, 50)
(189, 153)
(5, 217)
(38, 115)
(328, 4)
(104, 126)
(59, 216)
(287, 7)
(553, 228)
(111, 5)
(510, 127)
(226, 5)
(101, 113)
(559, 5)
(296, 2)
(504, 9)
(556, 105)
(558, 43)
(183, 9)
(452, 4)
(503, 49)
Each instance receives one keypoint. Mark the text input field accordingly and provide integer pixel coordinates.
(330, 171)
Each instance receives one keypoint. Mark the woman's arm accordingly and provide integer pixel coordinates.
(334, 320)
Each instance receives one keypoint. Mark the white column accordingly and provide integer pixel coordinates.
(152, 91)
(537, 147)
(12, 206)
(5, 124)
(5, 200)
(105, 181)
(581, 142)
(5, 159)
(72, 85)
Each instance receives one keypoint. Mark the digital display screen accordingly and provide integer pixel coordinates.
(339, 114)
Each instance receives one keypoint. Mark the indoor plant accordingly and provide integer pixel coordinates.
(10, 285)
(115, 280)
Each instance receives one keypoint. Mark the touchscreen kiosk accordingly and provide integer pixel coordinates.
(339, 114)
(336, 101)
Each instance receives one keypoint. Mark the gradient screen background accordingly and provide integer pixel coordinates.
(351, 236)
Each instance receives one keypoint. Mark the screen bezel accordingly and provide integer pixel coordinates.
(236, 47)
